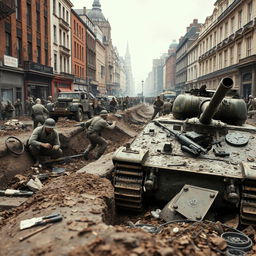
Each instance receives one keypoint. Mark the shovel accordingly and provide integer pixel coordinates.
(40, 221)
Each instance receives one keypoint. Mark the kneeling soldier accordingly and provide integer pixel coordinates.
(45, 141)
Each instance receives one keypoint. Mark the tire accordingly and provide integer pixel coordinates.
(79, 115)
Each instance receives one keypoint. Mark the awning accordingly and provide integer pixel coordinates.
(61, 89)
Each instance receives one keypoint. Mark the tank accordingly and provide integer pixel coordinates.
(204, 142)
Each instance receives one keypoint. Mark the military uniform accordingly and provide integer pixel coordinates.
(40, 136)
(18, 107)
(38, 111)
(158, 105)
(9, 109)
(95, 126)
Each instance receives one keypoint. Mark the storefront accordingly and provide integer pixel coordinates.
(38, 80)
(62, 83)
(80, 85)
(11, 80)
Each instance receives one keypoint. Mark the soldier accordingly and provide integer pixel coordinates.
(9, 109)
(28, 105)
(158, 105)
(2, 113)
(18, 107)
(38, 111)
(49, 100)
(45, 141)
(95, 126)
(126, 103)
(113, 105)
(167, 107)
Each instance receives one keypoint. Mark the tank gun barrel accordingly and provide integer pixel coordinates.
(210, 108)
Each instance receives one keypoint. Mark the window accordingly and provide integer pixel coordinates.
(59, 10)
(226, 29)
(8, 45)
(45, 26)
(60, 39)
(75, 50)
(232, 55)
(232, 25)
(238, 52)
(67, 17)
(220, 34)
(29, 51)
(38, 54)
(67, 41)
(60, 63)
(240, 19)
(210, 41)
(65, 67)
(54, 6)
(248, 46)
(38, 20)
(46, 57)
(63, 13)
(220, 61)
(19, 49)
(64, 38)
(74, 27)
(215, 37)
(55, 62)
(54, 34)
(28, 14)
(225, 58)
(249, 11)
(18, 10)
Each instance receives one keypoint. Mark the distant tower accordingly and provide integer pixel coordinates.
(130, 88)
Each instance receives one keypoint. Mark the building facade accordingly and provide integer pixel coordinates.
(25, 48)
(78, 29)
(182, 55)
(61, 45)
(227, 46)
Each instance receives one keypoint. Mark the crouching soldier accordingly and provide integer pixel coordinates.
(45, 141)
(94, 128)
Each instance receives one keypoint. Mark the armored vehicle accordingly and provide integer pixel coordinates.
(72, 105)
(204, 143)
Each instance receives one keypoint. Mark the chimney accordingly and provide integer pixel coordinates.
(195, 21)
(84, 10)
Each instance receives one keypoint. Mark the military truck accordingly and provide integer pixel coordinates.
(73, 105)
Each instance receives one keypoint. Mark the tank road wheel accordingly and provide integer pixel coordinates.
(248, 203)
(128, 187)
(79, 115)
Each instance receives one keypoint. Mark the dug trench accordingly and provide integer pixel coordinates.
(85, 199)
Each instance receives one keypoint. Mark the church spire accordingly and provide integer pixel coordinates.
(96, 5)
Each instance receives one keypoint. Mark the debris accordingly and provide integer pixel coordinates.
(34, 232)
(58, 170)
(219, 242)
(24, 224)
(156, 213)
(13, 124)
(14, 192)
(35, 184)
(175, 230)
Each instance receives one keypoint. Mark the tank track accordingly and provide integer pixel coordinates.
(248, 203)
(128, 186)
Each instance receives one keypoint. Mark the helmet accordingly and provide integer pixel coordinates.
(38, 101)
(103, 112)
(49, 123)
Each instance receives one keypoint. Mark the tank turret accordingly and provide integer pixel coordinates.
(209, 108)
(226, 109)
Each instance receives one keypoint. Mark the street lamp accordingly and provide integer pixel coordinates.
(142, 82)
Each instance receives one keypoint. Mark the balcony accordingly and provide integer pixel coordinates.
(7, 7)
(64, 24)
(67, 75)
(64, 50)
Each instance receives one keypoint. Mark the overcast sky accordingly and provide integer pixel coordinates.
(149, 26)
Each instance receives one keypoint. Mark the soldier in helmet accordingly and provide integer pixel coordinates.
(38, 111)
(94, 128)
(45, 141)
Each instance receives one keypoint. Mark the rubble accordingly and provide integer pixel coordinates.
(13, 124)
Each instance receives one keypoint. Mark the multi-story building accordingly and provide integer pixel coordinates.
(149, 85)
(182, 55)
(192, 67)
(90, 51)
(130, 87)
(100, 61)
(122, 77)
(25, 48)
(61, 45)
(227, 46)
(170, 67)
(78, 29)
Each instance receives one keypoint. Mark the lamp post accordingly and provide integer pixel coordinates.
(142, 82)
